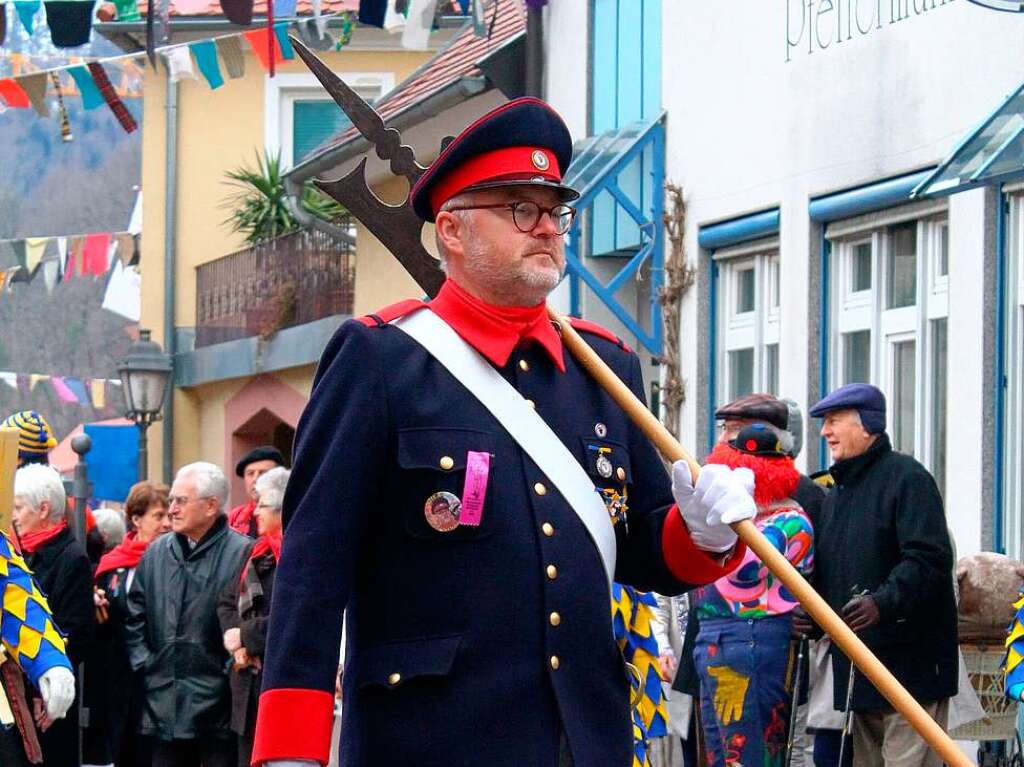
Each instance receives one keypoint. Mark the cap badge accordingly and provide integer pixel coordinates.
(540, 160)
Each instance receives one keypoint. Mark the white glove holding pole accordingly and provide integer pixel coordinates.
(57, 687)
(722, 496)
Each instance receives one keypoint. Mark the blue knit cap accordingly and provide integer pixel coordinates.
(866, 399)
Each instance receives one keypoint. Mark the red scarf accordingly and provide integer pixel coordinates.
(32, 542)
(495, 331)
(265, 543)
(240, 518)
(126, 554)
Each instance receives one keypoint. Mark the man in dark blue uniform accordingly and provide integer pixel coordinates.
(476, 596)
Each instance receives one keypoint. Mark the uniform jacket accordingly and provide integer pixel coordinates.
(173, 634)
(452, 636)
(882, 528)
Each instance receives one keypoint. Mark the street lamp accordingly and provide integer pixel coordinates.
(145, 371)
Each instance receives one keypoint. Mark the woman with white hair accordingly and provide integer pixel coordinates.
(64, 573)
(245, 610)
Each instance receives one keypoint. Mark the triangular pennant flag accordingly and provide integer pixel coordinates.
(135, 222)
(127, 10)
(281, 30)
(65, 123)
(98, 389)
(284, 9)
(70, 21)
(51, 271)
(62, 252)
(124, 117)
(311, 36)
(419, 24)
(26, 12)
(124, 292)
(11, 379)
(34, 86)
(13, 94)
(179, 63)
(261, 42)
(77, 387)
(318, 18)
(34, 249)
(125, 247)
(271, 41)
(96, 254)
(205, 52)
(230, 49)
(91, 96)
(35, 378)
(394, 19)
(62, 390)
(238, 12)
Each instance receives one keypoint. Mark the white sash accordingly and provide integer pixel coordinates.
(521, 422)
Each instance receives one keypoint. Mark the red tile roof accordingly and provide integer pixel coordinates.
(456, 60)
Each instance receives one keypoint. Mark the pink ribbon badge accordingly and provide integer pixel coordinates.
(478, 466)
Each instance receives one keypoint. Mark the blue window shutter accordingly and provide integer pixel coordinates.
(604, 87)
(313, 122)
(651, 47)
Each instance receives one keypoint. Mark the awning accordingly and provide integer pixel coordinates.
(596, 158)
(992, 152)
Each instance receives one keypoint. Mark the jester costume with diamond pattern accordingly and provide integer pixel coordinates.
(1015, 652)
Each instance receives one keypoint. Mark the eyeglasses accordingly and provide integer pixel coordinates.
(184, 500)
(526, 214)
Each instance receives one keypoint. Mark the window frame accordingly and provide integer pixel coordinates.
(282, 91)
(1013, 413)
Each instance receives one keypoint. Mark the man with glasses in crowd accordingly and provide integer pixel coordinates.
(173, 634)
(431, 499)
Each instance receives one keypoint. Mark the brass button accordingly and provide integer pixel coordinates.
(524, 365)
(621, 474)
(548, 529)
(532, 404)
(555, 663)
(447, 462)
(539, 489)
(552, 572)
(394, 679)
(555, 619)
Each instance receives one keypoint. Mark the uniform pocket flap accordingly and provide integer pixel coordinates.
(441, 449)
(395, 663)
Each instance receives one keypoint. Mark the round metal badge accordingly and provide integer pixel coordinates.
(600, 430)
(604, 466)
(539, 159)
(442, 511)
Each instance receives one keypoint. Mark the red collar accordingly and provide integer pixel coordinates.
(126, 554)
(495, 331)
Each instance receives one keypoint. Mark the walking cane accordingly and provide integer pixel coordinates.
(794, 702)
(399, 229)
(816, 607)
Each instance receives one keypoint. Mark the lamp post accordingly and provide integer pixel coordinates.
(145, 371)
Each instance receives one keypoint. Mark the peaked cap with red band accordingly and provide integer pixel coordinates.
(522, 142)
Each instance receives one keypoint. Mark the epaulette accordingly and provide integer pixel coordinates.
(823, 478)
(383, 316)
(601, 332)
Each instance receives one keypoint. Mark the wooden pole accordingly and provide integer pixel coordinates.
(780, 567)
(8, 465)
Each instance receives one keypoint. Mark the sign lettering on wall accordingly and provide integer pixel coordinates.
(814, 25)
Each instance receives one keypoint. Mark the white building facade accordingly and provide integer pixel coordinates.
(798, 130)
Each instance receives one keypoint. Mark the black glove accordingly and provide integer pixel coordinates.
(861, 613)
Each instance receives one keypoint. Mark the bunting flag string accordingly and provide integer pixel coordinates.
(72, 390)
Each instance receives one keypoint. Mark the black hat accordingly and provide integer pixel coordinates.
(758, 439)
(261, 453)
(522, 142)
(866, 399)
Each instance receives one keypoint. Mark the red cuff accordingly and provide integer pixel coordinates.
(688, 563)
(294, 724)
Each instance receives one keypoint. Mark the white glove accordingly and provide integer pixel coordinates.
(58, 689)
(722, 496)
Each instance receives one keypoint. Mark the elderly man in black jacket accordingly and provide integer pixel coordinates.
(884, 561)
(173, 634)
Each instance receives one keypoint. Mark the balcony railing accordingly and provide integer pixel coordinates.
(293, 279)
